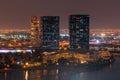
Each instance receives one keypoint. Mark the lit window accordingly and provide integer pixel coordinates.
(81, 29)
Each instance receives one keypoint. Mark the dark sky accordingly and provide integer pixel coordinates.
(17, 13)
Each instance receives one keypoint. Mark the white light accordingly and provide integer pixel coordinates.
(12, 51)
(18, 62)
(57, 64)
(97, 41)
(28, 50)
(4, 51)
(18, 50)
(102, 35)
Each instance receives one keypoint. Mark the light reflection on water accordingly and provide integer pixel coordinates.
(110, 72)
(26, 75)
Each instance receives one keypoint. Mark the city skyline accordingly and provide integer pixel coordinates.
(17, 14)
(59, 40)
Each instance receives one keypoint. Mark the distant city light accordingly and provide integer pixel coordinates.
(97, 41)
(102, 35)
(4, 51)
(18, 50)
(28, 50)
(14, 51)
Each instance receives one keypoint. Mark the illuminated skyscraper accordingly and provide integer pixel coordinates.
(50, 32)
(35, 31)
(79, 32)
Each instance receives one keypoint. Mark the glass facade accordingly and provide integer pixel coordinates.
(79, 32)
(50, 32)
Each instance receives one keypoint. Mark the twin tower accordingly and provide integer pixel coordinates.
(45, 32)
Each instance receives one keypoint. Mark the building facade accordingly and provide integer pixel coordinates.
(79, 32)
(50, 32)
(35, 31)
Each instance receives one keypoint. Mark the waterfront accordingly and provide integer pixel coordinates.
(110, 72)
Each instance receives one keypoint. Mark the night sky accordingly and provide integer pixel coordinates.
(16, 14)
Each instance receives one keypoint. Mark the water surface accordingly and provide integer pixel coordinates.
(110, 72)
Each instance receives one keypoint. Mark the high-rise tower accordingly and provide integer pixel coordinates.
(79, 32)
(35, 31)
(50, 32)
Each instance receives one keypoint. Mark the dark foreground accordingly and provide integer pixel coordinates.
(107, 72)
